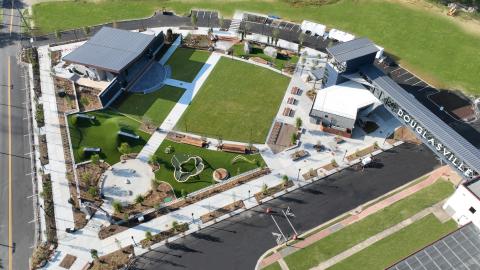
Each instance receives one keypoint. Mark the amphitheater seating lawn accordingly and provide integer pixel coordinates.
(237, 102)
(102, 132)
(186, 63)
(153, 106)
(211, 159)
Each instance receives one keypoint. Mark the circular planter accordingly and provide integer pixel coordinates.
(220, 174)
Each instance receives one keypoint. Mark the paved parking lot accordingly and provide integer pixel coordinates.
(238, 242)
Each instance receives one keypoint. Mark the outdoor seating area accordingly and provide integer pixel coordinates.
(234, 148)
(288, 112)
(297, 155)
(291, 101)
(198, 142)
(296, 91)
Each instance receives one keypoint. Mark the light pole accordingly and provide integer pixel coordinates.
(298, 175)
(134, 243)
(193, 219)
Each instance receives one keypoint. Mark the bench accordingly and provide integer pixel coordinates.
(234, 148)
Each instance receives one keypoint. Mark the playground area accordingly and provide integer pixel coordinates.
(190, 168)
(103, 132)
(237, 102)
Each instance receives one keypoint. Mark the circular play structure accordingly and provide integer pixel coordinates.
(220, 174)
(182, 162)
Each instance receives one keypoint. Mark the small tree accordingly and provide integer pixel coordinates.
(124, 148)
(194, 19)
(183, 193)
(275, 35)
(175, 225)
(285, 180)
(298, 122)
(94, 254)
(293, 138)
(86, 30)
(95, 158)
(264, 189)
(334, 163)
(117, 206)
(301, 39)
(139, 199)
(148, 236)
(86, 178)
(118, 243)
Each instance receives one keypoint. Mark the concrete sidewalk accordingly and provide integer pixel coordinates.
(444, 171)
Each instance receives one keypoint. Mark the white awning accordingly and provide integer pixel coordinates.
(314, 28)
(340, 35)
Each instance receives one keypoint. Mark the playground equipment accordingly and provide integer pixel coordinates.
(242, 158)
(220, 174)
(179, 160)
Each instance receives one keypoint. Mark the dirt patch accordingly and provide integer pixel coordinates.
(362, 153)
(55, 57)
(113, 261)
(270, 191)
(222, 211)
(68, 261)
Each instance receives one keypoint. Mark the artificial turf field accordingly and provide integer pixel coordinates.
(237, 102)
(355, 233)
(153, 107)
(427, 43)
(211, 159)
(102, 132)
(186, 63)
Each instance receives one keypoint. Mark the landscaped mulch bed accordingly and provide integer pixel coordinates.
(113, 261)
(180, 228)
(117, 228)
(43, 149)
(222, 211)
(55, 57)
(362, 153)
(270, 191)
(88, 98)
(48, 209)
(312, 173)
(330, 166)
(89, 175)
(68, 102)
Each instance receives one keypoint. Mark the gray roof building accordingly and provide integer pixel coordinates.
(352, 49)
(110, 49)
(458, 250)
(447, 135)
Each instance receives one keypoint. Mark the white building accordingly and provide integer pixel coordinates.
(464, 205)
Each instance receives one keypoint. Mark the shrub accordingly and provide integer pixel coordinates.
(264, 189)
(175, 225)
(92, 191)
(94, 254)
(334, 163)
(148, 236)
(95, 158)
(184, 193)
(124, 148)
(84, 101)
(293, 138)
(285, 180)
(86, 178)
(139, 199)
(298, 122)
(117, 206)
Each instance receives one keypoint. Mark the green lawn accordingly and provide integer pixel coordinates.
(430, 44)
(186, 63)
(153, 106)
(237, 102)
(102, 132)
(211, 159)
(279, 62)
(371, 225)
(273, 266)
(397, 246)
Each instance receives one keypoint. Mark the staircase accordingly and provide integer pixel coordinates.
(234, 26)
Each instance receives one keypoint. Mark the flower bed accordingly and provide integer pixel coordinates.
(113, 261)
(222, 211)
(270, 191)
(48, 209)
(43, 149)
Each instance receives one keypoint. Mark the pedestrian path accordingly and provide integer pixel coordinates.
(170, 51)
(444, 171)
(56, 166)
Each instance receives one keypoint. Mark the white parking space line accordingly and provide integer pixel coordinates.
(422, 89)
(396, 69)
(413, 77)
(417, 83)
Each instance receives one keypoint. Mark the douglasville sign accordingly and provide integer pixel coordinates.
(438, 146)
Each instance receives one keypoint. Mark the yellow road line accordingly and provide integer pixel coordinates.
(10, 242)
(11, 19)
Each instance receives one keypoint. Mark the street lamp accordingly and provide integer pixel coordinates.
(193, 219)
(134, 243)
(298, 175)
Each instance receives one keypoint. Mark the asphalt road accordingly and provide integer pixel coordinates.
(16, 210)
(238, 242)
